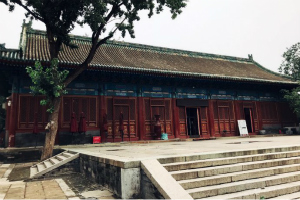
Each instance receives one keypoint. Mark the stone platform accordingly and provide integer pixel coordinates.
(121, 166)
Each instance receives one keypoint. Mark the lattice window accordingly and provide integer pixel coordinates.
(29, 105)
(87, 105)
(147, 109)
(168, 109)
(231, 110)
(223, 103)
(254, 113)
(215, 109)
(40, 111)
(121, 101)
(67, 109)
(127, 106)
(158, 110)
(269, 111)
(157, 103)
(203, 113)
(118, 110)
(23, 109)
(160, 107)
(182, 113)
(109, 109)
(132, 109)
(31, 111)
(93, 110)
(75, 107)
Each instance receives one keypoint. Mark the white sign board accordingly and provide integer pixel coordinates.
(243, 127)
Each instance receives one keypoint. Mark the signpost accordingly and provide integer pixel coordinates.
(243, 127)
(96, 139)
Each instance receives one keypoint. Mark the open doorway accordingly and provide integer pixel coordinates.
(249, 119)
(192, 122)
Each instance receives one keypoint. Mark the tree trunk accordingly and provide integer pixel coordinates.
(52, 130)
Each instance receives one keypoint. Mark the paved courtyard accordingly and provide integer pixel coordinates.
(44, 189)
(59, 189)
(140, 151)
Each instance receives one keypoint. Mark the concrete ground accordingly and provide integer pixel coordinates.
(59, 189)
(142, 151)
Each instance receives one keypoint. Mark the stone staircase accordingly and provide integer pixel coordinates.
(249, 174)
(52, 163)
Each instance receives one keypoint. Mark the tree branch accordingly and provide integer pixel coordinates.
(95, 45)
(107, 18)
(109, 36)
(31, 12)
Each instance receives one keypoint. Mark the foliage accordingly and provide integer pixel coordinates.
(60, 16)
(293, 97)
(291, 63)
(48, 81)
(291, 66)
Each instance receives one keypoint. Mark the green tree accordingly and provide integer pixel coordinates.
(291, 67)
(60, 17)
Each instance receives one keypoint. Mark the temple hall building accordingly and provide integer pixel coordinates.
(195, 95)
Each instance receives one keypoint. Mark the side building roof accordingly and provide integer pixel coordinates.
(130, 57)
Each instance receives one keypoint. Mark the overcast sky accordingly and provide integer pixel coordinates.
(264, 28)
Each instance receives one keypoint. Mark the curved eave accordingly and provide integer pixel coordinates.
(149, 72)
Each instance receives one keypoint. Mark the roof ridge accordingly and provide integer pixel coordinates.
(270, 71)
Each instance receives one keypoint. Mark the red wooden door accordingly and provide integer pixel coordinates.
(204, 127)
(224, 120)
(125, 110)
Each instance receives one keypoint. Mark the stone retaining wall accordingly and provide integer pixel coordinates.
(124, 181)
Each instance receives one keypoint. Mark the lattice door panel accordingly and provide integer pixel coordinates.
(203, 114)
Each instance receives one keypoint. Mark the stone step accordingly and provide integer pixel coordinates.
(227, 161)
(239, 186)
(33, 170)
(52, 163)
(263, 193)
(47, 163)
(67, 154)
(214, 155)
(212, 171)
(295, 195)
(60, 157)
(237, 176)
(53, 160)
(41, 167)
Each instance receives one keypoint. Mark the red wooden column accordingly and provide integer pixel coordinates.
(102, 112)
(141, 118)
(13, 122)
(259, 115)
(175, 120)
(7, 119)
(211, 120)
(237, 112)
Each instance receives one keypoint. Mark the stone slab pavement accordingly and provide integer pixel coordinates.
(126, 151)
(41, 189)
